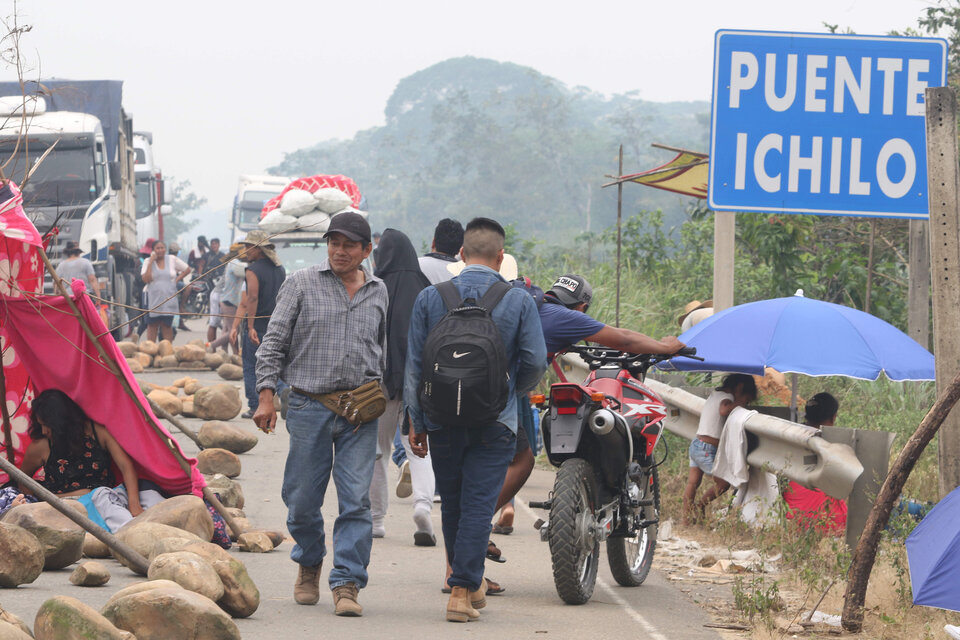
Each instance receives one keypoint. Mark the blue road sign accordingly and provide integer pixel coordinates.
(821, 124)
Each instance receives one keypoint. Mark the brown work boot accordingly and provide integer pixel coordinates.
(458, 606)
(307, 588)
(478, 598)
(345, 600)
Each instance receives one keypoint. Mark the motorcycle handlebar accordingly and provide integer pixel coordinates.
(598, 356)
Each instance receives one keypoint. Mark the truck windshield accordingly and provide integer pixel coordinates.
(300, 255)
(252, 205)
(146, 197)
(65, 177)
(296, 256)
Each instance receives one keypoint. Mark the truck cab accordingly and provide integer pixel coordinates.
(252, 193)
(70, 144)
(153, 194)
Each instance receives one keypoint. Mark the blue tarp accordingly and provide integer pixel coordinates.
(100, 98)
(933, 552)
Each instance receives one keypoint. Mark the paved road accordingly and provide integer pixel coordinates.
(403, 598)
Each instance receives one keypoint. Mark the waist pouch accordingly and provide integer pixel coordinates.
(363, 404)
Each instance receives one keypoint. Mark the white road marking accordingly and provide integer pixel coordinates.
(631, 611)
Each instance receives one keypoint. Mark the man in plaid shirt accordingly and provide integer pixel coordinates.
(327, 334)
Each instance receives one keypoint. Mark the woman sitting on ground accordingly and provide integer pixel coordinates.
(77, 456)
(813, 506)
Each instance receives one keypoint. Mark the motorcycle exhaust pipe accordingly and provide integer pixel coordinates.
(601, 421)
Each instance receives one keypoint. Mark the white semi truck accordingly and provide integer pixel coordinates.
(154, 195)
(252, 193)
(85, 186)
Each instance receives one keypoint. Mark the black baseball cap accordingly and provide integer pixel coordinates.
(572, 289)
(352, 225)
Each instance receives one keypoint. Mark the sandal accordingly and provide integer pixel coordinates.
(494, 553)
(503, 530)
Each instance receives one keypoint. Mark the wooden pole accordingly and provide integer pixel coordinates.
(112, 366)
(724, 234)
(873, 235)
(7, 425)
(943, 180)
(619, 232)
(122, 549)
(866, 552)
(918, 293)
(166, 415)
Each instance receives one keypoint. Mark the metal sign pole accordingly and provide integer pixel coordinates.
(619, 231)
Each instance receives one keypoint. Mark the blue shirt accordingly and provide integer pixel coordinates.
(516, 319)
(563, 327)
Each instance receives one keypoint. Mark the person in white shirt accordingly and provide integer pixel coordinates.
(447, 240)
(736, 390)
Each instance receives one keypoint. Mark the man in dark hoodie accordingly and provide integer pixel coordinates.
(397, 266)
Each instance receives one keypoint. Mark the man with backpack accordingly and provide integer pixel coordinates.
(473, 344)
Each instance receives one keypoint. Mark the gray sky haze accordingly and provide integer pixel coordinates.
(227, 88)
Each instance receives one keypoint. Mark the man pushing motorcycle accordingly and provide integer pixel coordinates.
(563, 316)
(602, 435)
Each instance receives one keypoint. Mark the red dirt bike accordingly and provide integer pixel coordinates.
(602, 435)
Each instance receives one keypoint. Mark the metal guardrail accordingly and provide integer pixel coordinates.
(780, 445)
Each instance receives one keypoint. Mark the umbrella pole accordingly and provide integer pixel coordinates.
(794, 383)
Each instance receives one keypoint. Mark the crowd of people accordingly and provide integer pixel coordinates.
(352, 346)
(337, 327)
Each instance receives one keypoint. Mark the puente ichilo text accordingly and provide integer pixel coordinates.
(821, 124)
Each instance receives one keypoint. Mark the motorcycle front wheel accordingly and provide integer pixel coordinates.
(630, 558)
(574, 548)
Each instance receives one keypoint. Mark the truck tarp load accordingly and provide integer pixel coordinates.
(85, 185)
(299, 215)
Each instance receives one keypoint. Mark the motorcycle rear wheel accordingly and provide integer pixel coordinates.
(574, 548)
(630, 558)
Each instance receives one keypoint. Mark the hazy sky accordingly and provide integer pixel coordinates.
(227, 88)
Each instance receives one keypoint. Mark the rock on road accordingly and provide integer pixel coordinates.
(403, 597)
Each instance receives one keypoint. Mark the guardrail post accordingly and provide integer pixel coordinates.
(873, 451)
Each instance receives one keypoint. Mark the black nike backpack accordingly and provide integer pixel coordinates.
(465, 375)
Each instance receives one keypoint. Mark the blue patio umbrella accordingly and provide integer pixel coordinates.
(933, 553)
(800, 335)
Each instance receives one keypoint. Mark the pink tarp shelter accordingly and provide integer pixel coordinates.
(44, 339)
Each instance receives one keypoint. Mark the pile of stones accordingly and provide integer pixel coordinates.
(191, 356)
(214, 402)
(194, 588)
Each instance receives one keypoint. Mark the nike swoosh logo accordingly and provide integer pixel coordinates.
(460, 355)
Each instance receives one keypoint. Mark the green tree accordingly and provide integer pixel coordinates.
(184, 202)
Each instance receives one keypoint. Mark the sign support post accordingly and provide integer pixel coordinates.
(918, 293)
(724, 232)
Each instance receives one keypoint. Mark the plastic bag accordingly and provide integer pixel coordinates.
(276, 222)
(297, 202)
(315, 222)
(330, 200)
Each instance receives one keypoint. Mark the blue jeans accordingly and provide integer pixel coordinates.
(399, 453)
(321, 442)
(469, 465)
(249, 358)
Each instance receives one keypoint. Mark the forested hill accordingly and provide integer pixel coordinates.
(471, 136)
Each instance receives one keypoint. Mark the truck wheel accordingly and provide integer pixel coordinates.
(630, 558)
(574, 548)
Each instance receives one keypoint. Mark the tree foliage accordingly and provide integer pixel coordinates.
(470, 137)
(184, 202)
